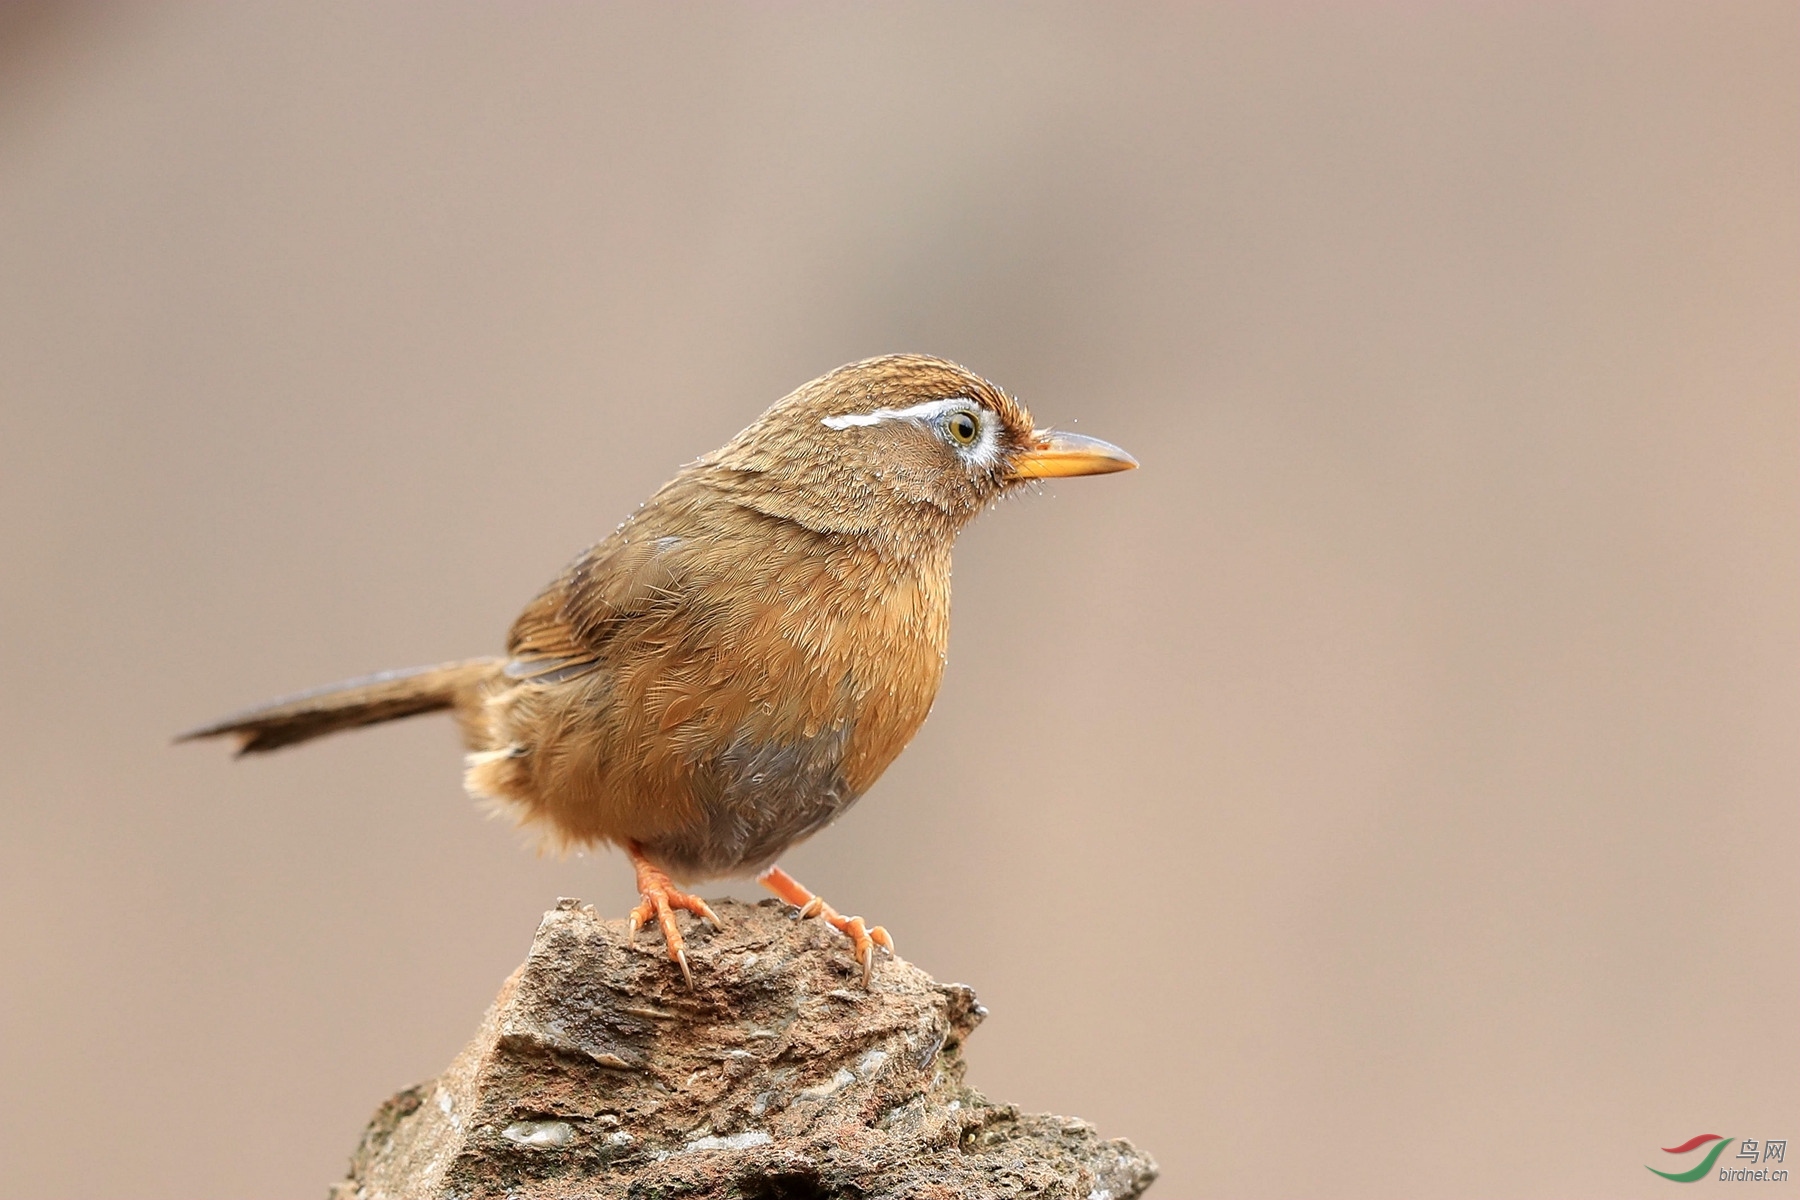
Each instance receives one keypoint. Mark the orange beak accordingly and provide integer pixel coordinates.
(1059, 454)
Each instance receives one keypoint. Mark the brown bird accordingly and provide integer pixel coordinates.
(745, 655)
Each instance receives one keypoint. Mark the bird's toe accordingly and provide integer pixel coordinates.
(863, 939)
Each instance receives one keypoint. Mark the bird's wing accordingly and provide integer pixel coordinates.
(646, 571)
(571, 621)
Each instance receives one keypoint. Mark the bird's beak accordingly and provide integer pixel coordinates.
(1058, 454)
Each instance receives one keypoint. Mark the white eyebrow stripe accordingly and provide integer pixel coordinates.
(927, 411)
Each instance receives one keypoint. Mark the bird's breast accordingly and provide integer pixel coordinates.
(895, 661)
(817, 678)
(850, 656)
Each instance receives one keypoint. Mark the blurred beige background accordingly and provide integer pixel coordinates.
(1390, 789)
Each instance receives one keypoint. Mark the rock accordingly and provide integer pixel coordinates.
(598, 1073)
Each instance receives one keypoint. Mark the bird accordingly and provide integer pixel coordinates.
(740, 660)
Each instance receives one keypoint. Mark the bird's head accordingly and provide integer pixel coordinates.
(905, 446)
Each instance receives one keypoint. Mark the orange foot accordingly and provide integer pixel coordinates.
(862, 938)
(661, 899)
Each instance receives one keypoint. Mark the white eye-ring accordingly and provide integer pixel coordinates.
(971, 431)
(974, 433)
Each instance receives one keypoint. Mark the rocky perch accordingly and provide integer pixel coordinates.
(598, 1073)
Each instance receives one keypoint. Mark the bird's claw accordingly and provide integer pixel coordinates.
(863, 941)
(660, 899)
(863, 938)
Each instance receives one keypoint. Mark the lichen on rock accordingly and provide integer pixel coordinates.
(598, 1073)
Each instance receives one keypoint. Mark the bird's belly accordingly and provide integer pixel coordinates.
(755, 797)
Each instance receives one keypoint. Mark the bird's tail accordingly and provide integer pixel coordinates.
(365, 701)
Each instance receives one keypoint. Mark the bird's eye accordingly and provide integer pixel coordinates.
(963, 428)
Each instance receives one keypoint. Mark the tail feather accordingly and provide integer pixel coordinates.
(365, 701)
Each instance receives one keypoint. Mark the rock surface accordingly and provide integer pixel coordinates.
(598, 1073)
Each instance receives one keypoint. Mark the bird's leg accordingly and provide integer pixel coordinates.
(660, 900)
(861, 936)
